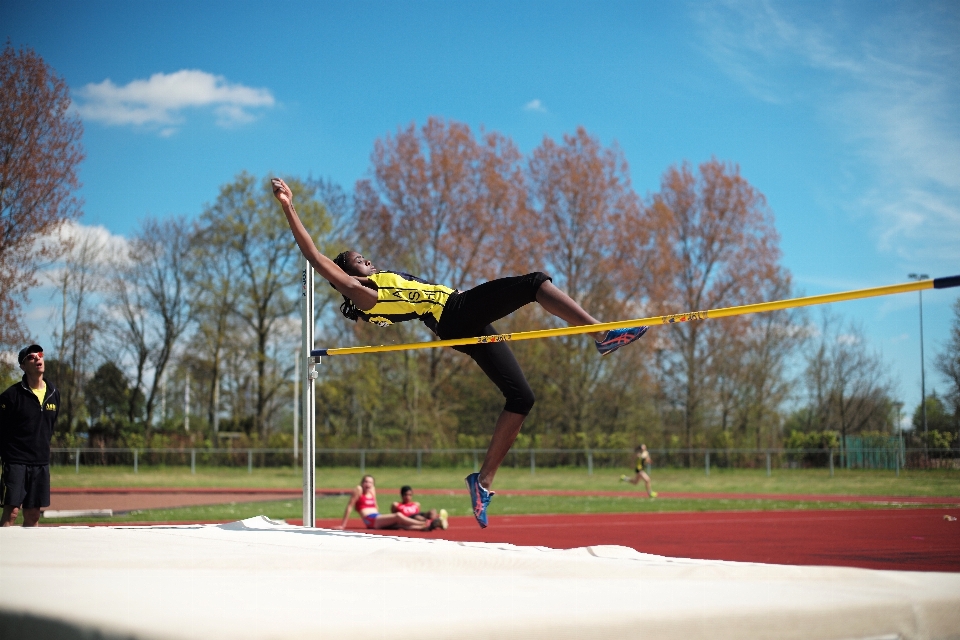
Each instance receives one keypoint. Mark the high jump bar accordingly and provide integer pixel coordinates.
(873, 292)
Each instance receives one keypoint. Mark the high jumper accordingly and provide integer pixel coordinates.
(386, 297)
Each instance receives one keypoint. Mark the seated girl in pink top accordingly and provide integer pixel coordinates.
(408, 507)
(364, 500)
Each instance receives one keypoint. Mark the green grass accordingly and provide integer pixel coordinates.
(782, 481)
(332, 507)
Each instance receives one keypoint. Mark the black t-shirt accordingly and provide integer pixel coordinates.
(26, 424)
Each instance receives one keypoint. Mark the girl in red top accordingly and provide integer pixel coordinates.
(410, 508)
(364, 500)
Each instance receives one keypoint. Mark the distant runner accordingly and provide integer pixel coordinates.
(643, 461)
(408, 507)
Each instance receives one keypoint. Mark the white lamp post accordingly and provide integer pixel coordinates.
(923, 386)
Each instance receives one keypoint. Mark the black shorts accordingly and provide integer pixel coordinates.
(25, 485)
(471, 313)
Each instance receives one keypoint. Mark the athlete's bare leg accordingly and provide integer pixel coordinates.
(508, 426)
(646, 481)
(557, 303)
(430, 515)
(9, 516)
(641, 475)
(399, 521)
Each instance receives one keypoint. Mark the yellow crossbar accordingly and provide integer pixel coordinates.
(873, 292)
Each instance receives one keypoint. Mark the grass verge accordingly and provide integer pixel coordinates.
(781, 481)
(332, 507)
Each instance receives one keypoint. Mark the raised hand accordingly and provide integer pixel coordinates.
(281, 191)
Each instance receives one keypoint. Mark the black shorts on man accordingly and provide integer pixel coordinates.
(25, 486)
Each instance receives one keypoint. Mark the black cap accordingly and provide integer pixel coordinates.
(34, 348)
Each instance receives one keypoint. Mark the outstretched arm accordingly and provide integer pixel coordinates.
(347, 285)
(346, 512)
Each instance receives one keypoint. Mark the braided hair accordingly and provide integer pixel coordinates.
(347, 308)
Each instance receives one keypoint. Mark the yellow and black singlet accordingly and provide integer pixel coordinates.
(401, 296)
(640, 463)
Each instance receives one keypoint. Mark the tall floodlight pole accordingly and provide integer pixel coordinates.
(309, 413)
(923, 384)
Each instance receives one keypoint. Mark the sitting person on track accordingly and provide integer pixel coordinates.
(408, 507)
(364, 500)
(642, 461)
(385, 297)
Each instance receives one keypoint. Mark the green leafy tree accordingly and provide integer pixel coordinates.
(939, 418)
(246, 222)
(109, 396)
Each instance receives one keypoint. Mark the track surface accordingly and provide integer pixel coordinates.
(903, 538)
(127, 499)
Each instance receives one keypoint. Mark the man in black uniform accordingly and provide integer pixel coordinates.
(28, 412)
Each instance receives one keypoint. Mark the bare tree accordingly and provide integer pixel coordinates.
(448, 206)
(948, 364)
(150, 296)
(717, 246)
(214, 292)
(580, 192)
(39, 154)
(78, 280)
(750, 373)
(848, 388)
(130, 324)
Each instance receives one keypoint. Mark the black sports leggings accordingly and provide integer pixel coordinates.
(471, 313)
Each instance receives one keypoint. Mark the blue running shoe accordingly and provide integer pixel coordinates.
(479, 499)
(617, 338)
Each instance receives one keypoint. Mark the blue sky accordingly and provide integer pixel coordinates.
(845, 115)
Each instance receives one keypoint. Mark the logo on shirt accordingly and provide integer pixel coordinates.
(50, 407)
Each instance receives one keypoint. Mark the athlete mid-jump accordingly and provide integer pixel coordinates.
(386, 297)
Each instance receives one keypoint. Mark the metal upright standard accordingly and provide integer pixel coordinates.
(296, 406)
(309, 414)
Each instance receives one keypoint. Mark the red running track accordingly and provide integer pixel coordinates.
(902, 539)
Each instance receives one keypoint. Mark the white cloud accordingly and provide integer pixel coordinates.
(160, 100)
(111, 245)
(102, 248)
(849, 339)
(886, 82)
(535, 105)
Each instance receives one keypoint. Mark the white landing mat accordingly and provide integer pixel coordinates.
(261, 579)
